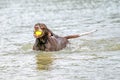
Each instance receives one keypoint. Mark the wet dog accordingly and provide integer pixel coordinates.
(48, 41)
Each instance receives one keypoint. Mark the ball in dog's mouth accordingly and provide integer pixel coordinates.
(38, 33)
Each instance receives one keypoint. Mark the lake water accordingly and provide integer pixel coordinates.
(92, 57)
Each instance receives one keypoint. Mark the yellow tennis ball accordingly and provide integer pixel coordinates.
(38, 33)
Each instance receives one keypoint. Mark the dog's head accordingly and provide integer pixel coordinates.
(41, 33)
(41, 30)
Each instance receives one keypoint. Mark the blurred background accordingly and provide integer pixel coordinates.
(92, 57)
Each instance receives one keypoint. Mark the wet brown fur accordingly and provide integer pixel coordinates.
(50, 41)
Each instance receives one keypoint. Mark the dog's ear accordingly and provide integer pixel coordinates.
(44, 27)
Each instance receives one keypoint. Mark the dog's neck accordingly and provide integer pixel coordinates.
(41, 42)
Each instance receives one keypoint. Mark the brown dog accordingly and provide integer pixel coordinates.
(49, 41)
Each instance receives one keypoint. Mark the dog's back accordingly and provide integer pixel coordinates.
(56, 43)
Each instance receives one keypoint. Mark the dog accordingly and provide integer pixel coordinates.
(48, 41)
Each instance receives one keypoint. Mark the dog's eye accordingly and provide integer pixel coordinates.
(42, 27)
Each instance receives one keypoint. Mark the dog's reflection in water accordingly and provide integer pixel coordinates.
(44, 61)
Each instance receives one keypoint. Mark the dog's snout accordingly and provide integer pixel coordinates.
(36, 27)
